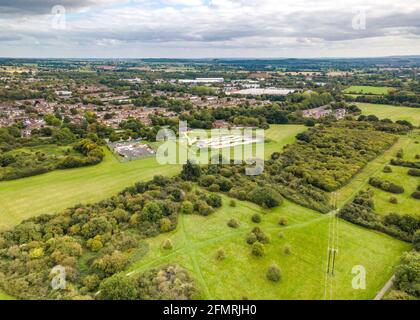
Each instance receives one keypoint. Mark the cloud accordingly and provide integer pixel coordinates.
(224, 25)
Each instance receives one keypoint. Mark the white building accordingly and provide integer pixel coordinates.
(202, 80)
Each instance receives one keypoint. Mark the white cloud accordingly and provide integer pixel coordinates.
(220, 27)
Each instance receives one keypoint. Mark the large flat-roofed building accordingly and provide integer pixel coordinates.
(203, 80)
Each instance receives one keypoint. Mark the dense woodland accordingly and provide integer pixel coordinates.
(94, 242)
(322, 160)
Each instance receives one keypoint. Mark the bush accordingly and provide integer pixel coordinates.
(258, 249)
(416, 195)
(214, 188)
(416, 240)
(387, 169)
(287, 250)
(165, 225)
(393, 200)
(167, 244)
(274, 273)
(203, 208)
(256, 218)
(251, 238)
(386, 185)
(261, 236)
(232, 203)
(187, 207)
(281, 235)
(265, 197)
(233, 223)
(283, 221)
(414, 172)
(118, 287)
(407, 274)
(220, 255)
(214, 200)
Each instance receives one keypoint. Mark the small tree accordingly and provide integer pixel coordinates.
(283, 221)
(387, 169)
(258, 249)
(165, 224)
(118, 287)
(251, 238)
(220, 255)
(416, 240)
(274, 273)
(233, 223)
(287, 250)
(393, 200)
(167, 244)
(256, 218)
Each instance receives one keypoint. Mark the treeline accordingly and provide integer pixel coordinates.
(397, 98)
(362, 212)
(385, 185)
(95, 242)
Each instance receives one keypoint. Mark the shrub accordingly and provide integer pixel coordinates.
(214, 188)
(214, 200)
(118, 287)
(416, 195)
(256, 218)
(386, 185)
(187, 207)
(233, 223)
(407, 274)
(387, 169)
(203, 208)
(261, 236)
(274, 273)
(251, 238)
(232, 203)
(281, 235)
(167, 244)
(165, 225)
(393, 200)
(258, 249)
(414, 172)
(265, 197)
(287, 250)
(220, 255)
(283, 221)
(416, 240)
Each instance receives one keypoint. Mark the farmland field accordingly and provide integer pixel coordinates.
(55, 191)
(367, 90)
(406, 204)
(394, 113)
(197, 239)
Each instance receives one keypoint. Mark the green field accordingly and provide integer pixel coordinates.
(197, 239)
(406, 204)
(367, 90)
(55, 191)
(394, 113)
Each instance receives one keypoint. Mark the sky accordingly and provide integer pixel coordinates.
(208, 28)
